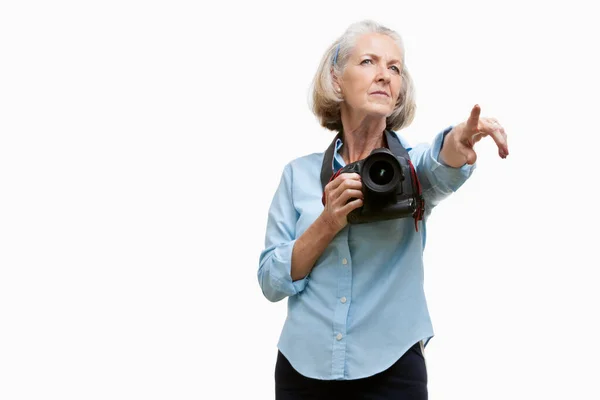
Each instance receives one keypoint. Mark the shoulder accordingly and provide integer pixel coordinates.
(308, 161)
(301, 173)
(405, 143)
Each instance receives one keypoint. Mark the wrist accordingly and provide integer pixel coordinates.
(327, 227)
(449, 154)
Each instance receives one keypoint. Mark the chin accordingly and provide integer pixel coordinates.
(379, 111)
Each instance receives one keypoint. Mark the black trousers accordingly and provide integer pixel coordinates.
(405, 379)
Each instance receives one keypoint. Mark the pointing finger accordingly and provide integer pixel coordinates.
(473, 120)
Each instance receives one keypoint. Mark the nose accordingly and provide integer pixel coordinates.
(383, 74)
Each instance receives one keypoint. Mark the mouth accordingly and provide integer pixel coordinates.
(380, 93)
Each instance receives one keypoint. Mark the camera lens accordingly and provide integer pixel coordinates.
(381, 172)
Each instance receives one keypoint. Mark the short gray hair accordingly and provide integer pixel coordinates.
(326, 101)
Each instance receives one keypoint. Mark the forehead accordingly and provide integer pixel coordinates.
(378, 44)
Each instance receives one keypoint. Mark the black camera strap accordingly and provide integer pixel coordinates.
(327, 167)
(394, 145)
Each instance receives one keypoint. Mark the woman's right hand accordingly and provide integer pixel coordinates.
(338, 192)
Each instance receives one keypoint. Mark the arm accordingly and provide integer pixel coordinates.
(437, 179)
(309, 247)
(275, 262)
(286, 261)
(445, 165)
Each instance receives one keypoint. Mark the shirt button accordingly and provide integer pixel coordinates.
(344, 261)
(339, 336)
(343, 299)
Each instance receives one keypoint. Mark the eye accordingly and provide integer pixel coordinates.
(395, 68)
(366, 61)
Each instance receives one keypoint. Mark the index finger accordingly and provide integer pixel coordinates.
(473, 120)
(337, 181)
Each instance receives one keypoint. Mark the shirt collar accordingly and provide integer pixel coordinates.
(338, 161)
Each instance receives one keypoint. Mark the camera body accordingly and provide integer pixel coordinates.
(387, 186)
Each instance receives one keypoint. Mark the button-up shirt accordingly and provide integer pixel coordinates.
(363, 305)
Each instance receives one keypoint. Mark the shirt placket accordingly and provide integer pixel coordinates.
(343, 300)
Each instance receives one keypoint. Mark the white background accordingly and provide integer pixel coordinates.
(140, 145)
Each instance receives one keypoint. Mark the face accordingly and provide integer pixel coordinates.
(371, 81)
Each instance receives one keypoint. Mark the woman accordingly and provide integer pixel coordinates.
(357, 318)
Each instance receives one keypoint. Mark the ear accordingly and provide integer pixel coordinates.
(336, 81)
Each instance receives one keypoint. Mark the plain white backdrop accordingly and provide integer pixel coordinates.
(140, 146)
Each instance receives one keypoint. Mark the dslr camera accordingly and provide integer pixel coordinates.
(390, 187)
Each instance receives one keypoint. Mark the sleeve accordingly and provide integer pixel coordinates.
(275, 261)
(437, 180)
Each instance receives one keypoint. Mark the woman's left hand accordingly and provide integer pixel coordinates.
(458, 145)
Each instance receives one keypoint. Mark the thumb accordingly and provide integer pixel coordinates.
(470, 155)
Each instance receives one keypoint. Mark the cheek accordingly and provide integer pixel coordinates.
(359, 94)
(358, 84)
(396, 90)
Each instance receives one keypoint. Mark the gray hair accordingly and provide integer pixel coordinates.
(326, 101)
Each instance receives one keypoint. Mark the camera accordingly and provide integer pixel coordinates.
(387, 186)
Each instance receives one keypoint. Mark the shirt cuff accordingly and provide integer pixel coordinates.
(281, 271)
(453, 177)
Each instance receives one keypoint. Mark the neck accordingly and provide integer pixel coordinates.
(361, 136)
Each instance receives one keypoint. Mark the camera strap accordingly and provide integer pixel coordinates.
(394, 145)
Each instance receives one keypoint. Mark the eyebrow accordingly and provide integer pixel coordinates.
(393, 61)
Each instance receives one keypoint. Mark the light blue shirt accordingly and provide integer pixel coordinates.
(363, 304)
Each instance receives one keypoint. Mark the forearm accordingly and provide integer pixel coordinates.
(439, 179)
(309, 247)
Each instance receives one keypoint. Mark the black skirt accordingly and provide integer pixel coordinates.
(405, 379)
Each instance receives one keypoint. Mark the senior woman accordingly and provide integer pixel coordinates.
(357, 318)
